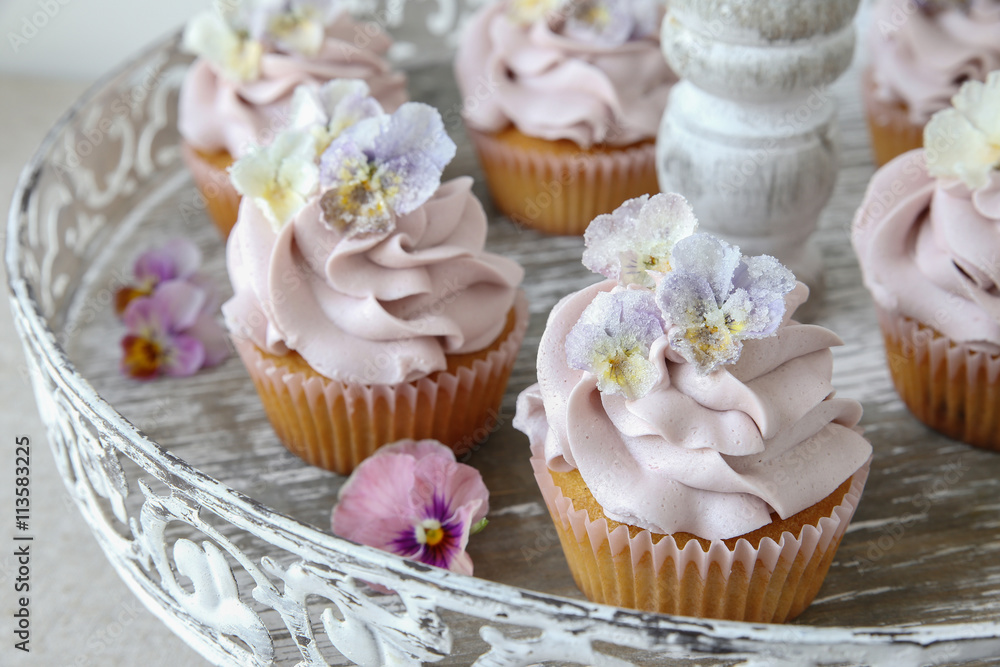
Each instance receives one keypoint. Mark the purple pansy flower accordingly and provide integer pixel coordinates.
(412, 498)
(612, 340)
(172, 332)
(297, 26)
(175, 259)
(602, 22)
(634, 242)
(715, 298)
(383, 167)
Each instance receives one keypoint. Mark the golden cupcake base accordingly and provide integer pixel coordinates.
(889, 126)
(336, 425)
(558, 187)
(769, 575)
(954, 388)
(211, 176)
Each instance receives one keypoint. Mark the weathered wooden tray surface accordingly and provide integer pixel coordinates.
(923, 547)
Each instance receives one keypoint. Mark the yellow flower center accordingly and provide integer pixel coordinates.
(143, 356)
(654, 263)
(430, 532)
(596, 15)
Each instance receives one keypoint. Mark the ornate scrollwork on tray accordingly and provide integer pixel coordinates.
(364, 624)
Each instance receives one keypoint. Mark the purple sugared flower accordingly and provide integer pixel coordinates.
(297, 26)
(715, 298)
(175, 259)
(172, 332)
(383, 167)
(413, 499)
(612, 338)
(635, 242)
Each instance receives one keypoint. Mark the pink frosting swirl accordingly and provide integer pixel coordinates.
(711, 455)
(930, 250)
(378, 309)
(217, 113)
(553, 87)
(922, 60)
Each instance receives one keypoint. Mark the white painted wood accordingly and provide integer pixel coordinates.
(749, 134)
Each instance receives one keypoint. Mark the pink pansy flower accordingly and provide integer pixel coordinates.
(412, 498)
(172, 332)
(178, 258)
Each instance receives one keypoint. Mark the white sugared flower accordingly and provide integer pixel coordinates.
(964, 142)
(526, 12)
(233, 52)
(636, 240)
(280, 177)
(295, 25)
(327, 110)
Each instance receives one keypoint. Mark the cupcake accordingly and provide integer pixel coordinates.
(562, 103)
(365, 308)
(251, 56)
(921, 53)
(684, 432)
(927, 236)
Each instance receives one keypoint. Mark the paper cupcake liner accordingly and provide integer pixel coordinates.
(952, 387)
(336, 425)
(889, 125)
(212, 180)
(560, 190)
(771, 583)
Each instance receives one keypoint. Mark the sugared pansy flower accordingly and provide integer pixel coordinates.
(526, 12)
(413, 499)
(298, 26)
(635, 242)
(612, 338)
(228, 47)
(715, 298)
(383, 167)
(963, 142)
(175, 259)
(279, 177)
(326, 111)
(602, 22)
(172, 332)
